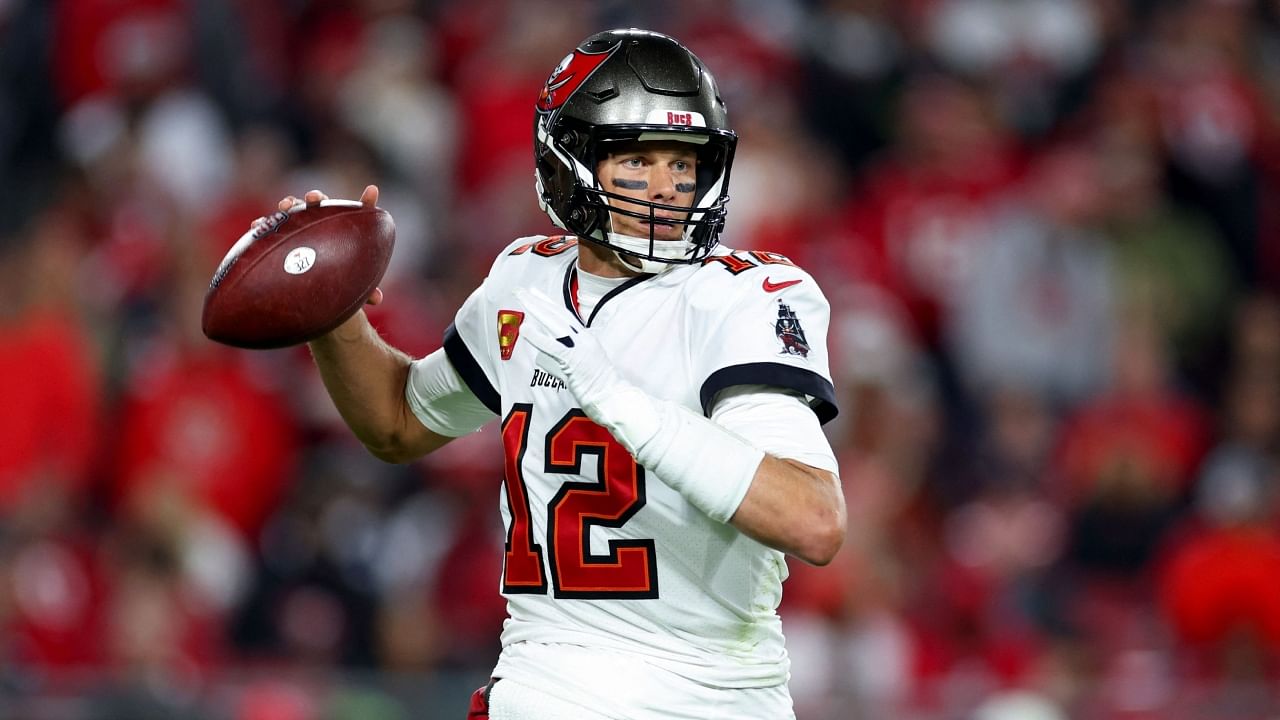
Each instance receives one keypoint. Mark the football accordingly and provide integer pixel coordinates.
(298, 275)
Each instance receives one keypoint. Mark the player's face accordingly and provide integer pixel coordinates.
(655, 171)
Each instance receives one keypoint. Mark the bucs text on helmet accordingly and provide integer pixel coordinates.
(631, 85)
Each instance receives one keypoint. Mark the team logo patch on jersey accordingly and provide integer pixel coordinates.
(789, 332)
(508, 331)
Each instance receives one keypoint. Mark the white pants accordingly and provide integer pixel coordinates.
(566, 682)
(510, 700)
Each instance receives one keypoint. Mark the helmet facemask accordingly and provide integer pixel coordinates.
(594, 206)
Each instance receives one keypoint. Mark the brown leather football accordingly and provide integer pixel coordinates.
(299, 275)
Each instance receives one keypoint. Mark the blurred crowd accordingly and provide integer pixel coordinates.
(1049, 231)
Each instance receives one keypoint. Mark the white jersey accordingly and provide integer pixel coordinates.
(599, 552)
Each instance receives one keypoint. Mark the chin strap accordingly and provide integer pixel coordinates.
(710, 466)
(648, 267)
(668, 249)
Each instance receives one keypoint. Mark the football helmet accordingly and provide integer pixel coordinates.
(631, 85)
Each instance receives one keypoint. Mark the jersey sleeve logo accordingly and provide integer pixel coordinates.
(508, 331)
(789, 332)
(770, 286)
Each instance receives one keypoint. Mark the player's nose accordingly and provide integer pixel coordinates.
(662, 183)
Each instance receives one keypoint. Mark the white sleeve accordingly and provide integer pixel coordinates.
(465, 345)
(440, 400)
(776, 420)
(759, 333)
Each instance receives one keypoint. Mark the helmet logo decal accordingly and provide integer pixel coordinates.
(569, 75)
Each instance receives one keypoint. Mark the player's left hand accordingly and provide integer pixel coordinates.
(568, 350)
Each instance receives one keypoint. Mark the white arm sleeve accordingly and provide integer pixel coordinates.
(777, 421)
(440, 400)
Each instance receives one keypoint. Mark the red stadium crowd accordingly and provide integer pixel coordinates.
(1051, 241)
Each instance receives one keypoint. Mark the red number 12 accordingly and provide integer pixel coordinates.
(629, 570)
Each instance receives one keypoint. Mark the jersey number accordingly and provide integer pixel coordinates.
(630, 568)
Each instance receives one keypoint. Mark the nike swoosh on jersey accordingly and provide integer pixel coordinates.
(775, 287)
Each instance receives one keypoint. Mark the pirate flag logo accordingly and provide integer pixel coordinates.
(789, 332)
(569, 75)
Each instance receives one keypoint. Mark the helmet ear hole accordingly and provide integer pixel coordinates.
(584, 215)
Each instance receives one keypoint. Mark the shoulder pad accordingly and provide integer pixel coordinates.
(736, 262)
(541, 246)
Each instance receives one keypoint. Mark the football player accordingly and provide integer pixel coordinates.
(660, 399)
